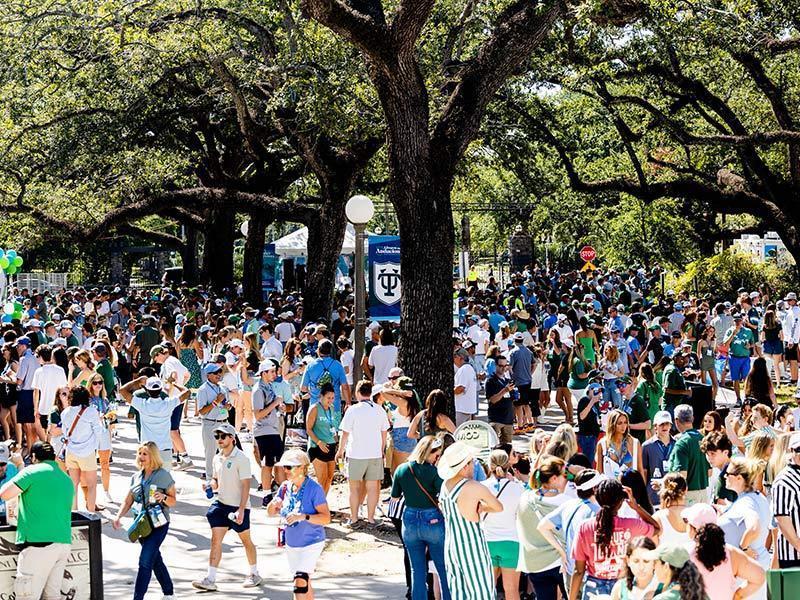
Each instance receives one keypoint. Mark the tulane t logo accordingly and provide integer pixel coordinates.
(386, 282)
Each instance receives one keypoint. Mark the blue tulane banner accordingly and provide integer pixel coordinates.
(384, 278)
(269, 266)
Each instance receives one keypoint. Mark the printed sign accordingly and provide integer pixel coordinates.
(76, 582)
(479, 435)
(385, 282)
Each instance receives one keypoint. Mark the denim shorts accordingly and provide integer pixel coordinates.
(401, 441)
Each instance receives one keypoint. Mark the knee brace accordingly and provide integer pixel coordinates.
(303, 587)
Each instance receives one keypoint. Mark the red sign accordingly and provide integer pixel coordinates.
(587, 253)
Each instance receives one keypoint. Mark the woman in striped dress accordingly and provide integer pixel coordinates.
(462, 500)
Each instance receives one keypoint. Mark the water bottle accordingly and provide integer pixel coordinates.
(209, 491)
(151, 499)
(232, 516)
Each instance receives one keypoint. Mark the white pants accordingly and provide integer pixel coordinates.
(40, 572)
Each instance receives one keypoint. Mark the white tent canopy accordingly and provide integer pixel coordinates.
(296, 243)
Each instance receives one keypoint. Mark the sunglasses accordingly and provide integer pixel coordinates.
(63, 393)
(729, 474)
(393, 377)
(796, 450)
(221, 436)
(97, 383)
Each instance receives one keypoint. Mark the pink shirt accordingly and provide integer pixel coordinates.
(609, 564)
(719, 583)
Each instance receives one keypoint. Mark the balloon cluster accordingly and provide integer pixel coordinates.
(12, 310)
(10, 261)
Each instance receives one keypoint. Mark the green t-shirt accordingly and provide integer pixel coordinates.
(673, 379)
(105, 369)
(721, 491)
(638, 414)
(575, 382)
(670, 594)
(687, 456)
(145, 339)
(740, 342)
(45, 505)
(405, 485)
(650, 393)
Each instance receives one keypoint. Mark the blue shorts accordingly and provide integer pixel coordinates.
(773, 347)
(217, 516)
(401, 441)
(25, 412)
(175, 418)
(739, 367)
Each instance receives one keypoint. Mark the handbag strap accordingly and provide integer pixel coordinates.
(74, 424)
(422, 487)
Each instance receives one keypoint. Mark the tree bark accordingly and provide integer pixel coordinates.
(253, 259)
(218, 237)
(191, 271)
(325, 237)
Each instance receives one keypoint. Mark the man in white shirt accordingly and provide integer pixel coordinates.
(383, 357)
(271, 347)
(565, 331)
(480, 336)
(172, 370)
(364, 428)
(231, 510)
(46, 381)
(791, 333)
(284, 330)
(466, 387)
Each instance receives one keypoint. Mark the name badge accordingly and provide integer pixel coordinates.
(665, 466)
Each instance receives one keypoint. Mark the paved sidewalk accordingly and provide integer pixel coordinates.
(354, 564)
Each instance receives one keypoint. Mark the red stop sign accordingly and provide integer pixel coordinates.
(587, 253)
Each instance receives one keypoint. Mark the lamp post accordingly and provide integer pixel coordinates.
(359, 210)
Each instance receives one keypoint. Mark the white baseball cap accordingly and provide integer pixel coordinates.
(153, 384)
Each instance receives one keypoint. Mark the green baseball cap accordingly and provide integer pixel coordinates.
(673, 555)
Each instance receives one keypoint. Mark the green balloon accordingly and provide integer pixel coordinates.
(17, 305)
(11, 270)
(18, 261)
(4, 263)
(17, 315)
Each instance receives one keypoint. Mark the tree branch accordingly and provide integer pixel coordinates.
(365, 32)
(408, 21)
(520, 29)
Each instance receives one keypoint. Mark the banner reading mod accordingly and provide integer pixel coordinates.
(384, 278)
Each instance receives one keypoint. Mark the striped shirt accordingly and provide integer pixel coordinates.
(466, 553)
(786, 503)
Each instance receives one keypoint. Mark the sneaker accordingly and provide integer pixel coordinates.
(168, 597)
(185, 463)
(205, 584)
(108, 499)
(266, 500)
(252, 581)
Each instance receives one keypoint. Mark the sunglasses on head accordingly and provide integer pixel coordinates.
(393, 377)
(221, 436)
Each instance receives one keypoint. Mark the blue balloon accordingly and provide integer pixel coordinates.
(2, 253)
(11, 254)
(6, 319)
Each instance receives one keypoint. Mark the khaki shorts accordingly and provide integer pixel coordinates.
(365, 469)
(84, 463)
(505, 433)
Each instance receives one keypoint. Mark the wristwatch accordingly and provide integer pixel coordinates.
(308, 517)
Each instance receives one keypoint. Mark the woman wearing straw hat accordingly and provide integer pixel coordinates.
(304, 511)
(462, 501)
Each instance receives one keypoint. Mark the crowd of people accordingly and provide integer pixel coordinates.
(636, 494)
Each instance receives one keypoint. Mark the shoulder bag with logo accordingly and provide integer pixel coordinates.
(428, 495)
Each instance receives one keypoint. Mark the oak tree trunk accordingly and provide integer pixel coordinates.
(218, 249)
(325, 237)
(189, 256)
(253, 260)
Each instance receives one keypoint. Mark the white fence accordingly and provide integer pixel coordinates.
(42, 282)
